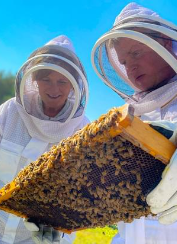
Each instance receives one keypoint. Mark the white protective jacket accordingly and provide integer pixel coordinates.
(17, 150)
(139, 24)
(149, 230)
(23, 138)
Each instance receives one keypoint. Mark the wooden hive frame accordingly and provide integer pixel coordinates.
(127, 126)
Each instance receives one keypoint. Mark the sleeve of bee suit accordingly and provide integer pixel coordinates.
(4, 108)
(163, 199)
(43, 234)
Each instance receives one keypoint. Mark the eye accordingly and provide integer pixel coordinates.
(136, 53)
(62, 82)
(45, 79)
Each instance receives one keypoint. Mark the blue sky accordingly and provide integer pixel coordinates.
(27, 25)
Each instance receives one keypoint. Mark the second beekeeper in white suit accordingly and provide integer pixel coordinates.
(51, 97)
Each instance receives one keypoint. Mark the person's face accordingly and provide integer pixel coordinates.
(144, 67)
(54, 90)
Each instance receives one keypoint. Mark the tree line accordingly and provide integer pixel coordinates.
(7, 83)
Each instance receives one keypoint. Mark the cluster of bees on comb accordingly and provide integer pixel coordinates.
(88, 180)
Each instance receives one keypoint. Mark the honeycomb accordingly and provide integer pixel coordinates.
(94, 178)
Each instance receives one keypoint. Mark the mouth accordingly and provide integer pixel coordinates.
(53, 97)
(139, 77)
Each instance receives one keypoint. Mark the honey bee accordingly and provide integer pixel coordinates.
(103, 181)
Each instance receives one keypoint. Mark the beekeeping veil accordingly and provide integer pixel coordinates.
(57, 55)
(129, 24)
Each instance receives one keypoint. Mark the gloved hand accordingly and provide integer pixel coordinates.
(166, 128)
(163, 199)
(43, 234)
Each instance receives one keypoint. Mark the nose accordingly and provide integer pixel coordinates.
(131, 66)
(54, 87)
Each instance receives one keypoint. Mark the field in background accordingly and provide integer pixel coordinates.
(96, 236)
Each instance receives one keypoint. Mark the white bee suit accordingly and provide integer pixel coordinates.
(155, 105)
(149, 230)
(25, 135)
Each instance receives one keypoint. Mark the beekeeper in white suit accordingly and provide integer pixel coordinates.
(51, 96)
(137, 59)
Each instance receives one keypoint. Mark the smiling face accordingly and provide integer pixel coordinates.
(54, 89)
(144, 67)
